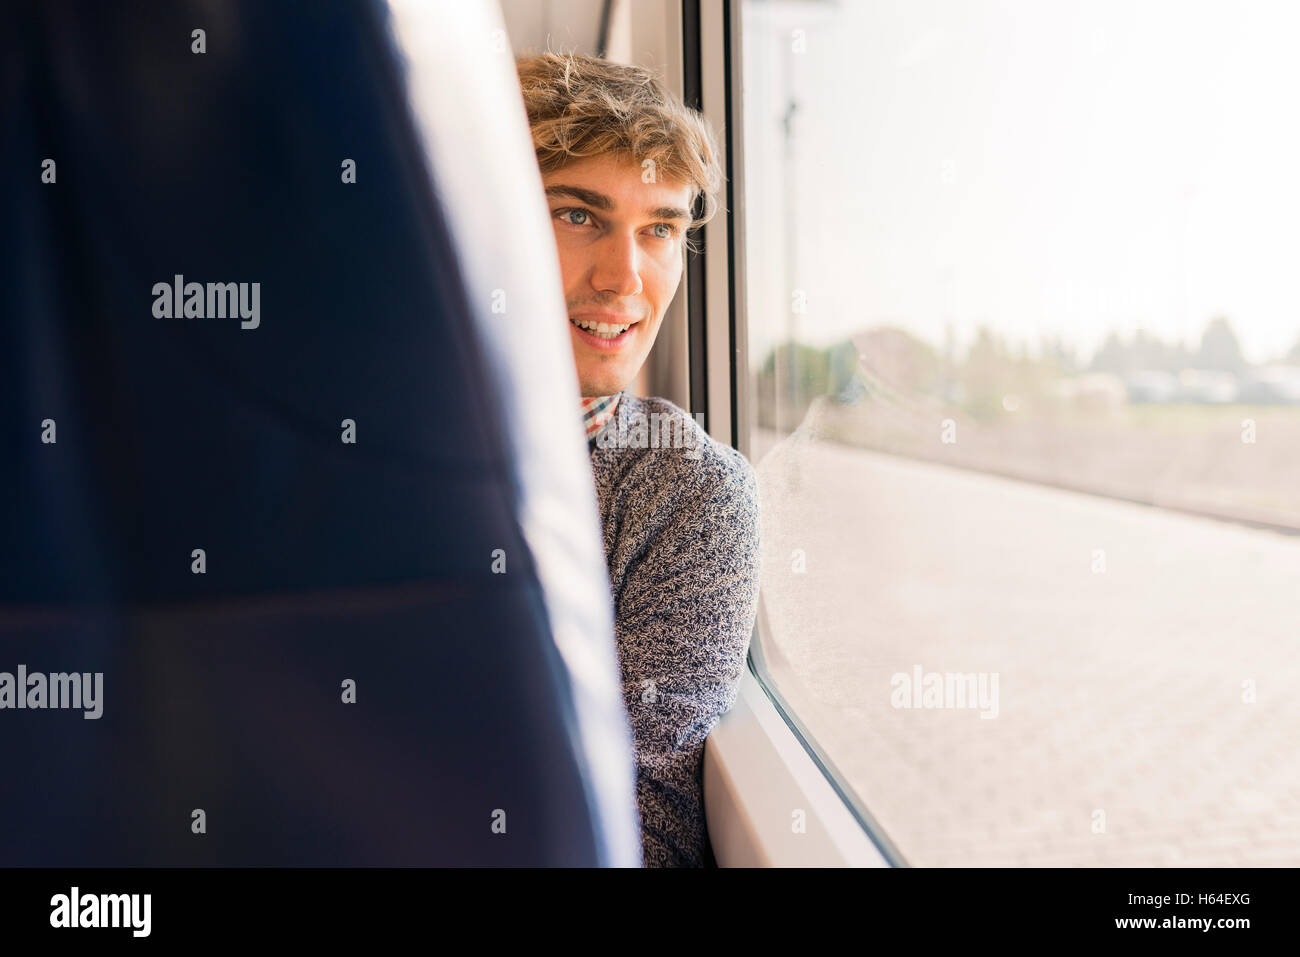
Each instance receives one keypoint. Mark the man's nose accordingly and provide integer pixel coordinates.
(617, 268)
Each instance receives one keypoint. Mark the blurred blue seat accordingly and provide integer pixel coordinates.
(325, 560)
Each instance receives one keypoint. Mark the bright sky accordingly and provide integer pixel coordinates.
(1045, 166)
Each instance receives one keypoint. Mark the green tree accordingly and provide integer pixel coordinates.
(1220, 348)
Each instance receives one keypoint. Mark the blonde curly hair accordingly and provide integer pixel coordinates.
(580, 106)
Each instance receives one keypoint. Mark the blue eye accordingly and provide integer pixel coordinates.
(668, 231)
(575, 212)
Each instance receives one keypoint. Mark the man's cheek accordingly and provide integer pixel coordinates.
(570, 269)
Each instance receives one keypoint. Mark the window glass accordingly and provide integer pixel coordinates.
(1024, 335)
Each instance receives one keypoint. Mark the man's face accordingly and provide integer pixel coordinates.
(620, 242)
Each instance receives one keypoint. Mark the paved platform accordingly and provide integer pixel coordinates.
(1119, 690)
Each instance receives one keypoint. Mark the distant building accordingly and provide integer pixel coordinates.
(1093, 392)
(1271, 385)
(1152, 385)
(1208, 386)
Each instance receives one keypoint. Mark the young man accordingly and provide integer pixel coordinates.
(623, 163)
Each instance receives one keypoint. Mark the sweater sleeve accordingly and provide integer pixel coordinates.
(684, 618)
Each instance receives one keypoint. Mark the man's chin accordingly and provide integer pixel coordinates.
(601, 385)
(600, 378)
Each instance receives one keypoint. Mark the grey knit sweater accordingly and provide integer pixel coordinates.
(681, 524)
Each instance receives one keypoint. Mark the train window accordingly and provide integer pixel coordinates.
(1024, 353)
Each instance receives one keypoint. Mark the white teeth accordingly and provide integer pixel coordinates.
(603, 329)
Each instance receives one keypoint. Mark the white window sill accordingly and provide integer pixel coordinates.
(757, 777)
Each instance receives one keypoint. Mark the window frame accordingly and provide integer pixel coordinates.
(761, 762)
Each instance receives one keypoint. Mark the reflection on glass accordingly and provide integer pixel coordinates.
(1025, 355)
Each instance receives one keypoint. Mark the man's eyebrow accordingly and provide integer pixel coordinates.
(669, 212)
(602, 202)
(588, 196)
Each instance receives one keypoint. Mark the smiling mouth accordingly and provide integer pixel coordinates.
(602, 330)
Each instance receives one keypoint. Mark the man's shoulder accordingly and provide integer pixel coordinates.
(658, 441)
